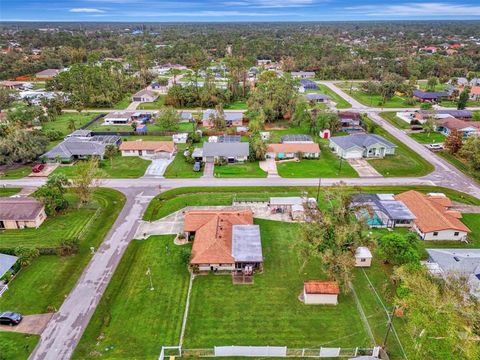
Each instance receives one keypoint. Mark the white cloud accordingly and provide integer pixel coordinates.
(86, 10)
(417, 9)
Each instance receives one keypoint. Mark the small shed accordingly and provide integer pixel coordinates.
(325, 134)
(298, 212)
(180, 138)
(317, 292)
(363, 257)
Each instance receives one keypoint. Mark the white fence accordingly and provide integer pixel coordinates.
(274, 351)
(271, 351)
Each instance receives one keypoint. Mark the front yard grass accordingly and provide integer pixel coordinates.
(16, 346)
(180, 168)
(425, 138)
(156, 105)
(123, 104)
(236, 105)
(249, 169)
(16, 173)
(374, 100)
(62, 122)
(132, 321)
(122, 167)
(392, 118)
(43, 285)
(5, 192)
(460, 164)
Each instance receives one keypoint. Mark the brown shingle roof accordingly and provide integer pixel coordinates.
(19, 209)
(430, 214)
(156, 146)
(457, 124)
(321, 287)
(296, 147)
(213, 234)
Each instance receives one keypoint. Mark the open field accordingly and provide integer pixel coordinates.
(236, 105)
(154, 317)
(122, 167)
(373, 100)
(242, 170)
(43, 285)
(62, 122)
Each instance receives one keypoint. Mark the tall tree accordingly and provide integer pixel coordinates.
(453, 143)
(471, 151)
(463, 98)
(86, 179)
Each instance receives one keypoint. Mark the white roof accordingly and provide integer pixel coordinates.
(298, 208)
(292, 200)
(363, 252)
(386, 197)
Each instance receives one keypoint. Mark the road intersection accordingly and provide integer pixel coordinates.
(63, 332)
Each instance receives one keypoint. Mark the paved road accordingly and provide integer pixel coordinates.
(63, 332)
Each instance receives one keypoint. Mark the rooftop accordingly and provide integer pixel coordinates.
(20, 209)
(246, 243)
(240, 149)
(360, 140)
(294, 148)
(6, 263)
(296, 138)
(156, 146)
(321, 287)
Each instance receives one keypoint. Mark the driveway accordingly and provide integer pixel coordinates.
(208, 170)
(270, 166)
(133, 105)
(363, 168)
(31, 324)
(157, 167)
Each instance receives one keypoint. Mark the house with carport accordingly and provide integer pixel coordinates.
(228, 152)
(356, 146)
(149, 149)
(293, 151)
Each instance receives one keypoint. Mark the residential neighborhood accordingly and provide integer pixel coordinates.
(198, 185)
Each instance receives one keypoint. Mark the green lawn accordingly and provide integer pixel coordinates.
(156, 105)
(327, 166)
(15, 346)
(423, 86)
(242, 170)
(122, 167)
(453, 104)
(123, 104)
(269, 312)
(405, 162)
(236, 105)
(431, 138)
(341, 102)
(180, 168)
(5, 192)
(16, 173)
(460, 164)
(132, 321)
(43, 285)
(61, 122)
(373, 100)
(392, 118)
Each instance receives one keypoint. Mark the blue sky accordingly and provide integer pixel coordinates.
(234, 10)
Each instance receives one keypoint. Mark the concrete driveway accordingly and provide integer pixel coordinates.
(157, 167)
(363, 168)
(270, 166)
(208, 170)
(31, 324)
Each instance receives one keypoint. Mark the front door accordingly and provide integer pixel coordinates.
(2, 225)
(140, 152)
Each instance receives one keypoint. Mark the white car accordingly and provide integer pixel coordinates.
(435, 147)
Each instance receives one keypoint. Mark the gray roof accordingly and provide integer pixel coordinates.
(462, 262)
(82, 146)
(229, 116)
(6, 263)
(304, 73)
(317, 96)
(360, 140)
(226, 149)
(296, 138)
(246, 243)
(145, 92)
(429, 94)
(80, 133)
(286, 201)
(394, 209)
(453, 112)
(229, 138)
(19, 209)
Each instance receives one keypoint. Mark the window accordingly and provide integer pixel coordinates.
(456, 233)
(435, 233)
(363, 260)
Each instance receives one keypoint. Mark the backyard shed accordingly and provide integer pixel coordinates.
(363, 257)
(320, 292)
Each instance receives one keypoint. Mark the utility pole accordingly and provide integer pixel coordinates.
(318, 189)
(389, 326)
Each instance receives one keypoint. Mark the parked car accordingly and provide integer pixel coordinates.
(197, 166)
(10, 318)
(416, 127)
(435, 147)
(38, 167)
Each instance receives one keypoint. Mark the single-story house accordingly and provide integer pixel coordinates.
(317, 292)
(456, 262)
(296, 139)
(382, 211)
(431, 96)
(318, 98)
(308, 85)
(231, 152)
(19, 213)
(80, 145)
(145, 95)
(350, 121)
(363, 257)
(224, 240)
(12, 85)
(47, 74)
(356, 146)
(292, 151)
(302, 74)
(464, 127)
(150, 149)
(475, 93)
(118, 118)
(433, 218)
(6, 264)
(232, 118)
